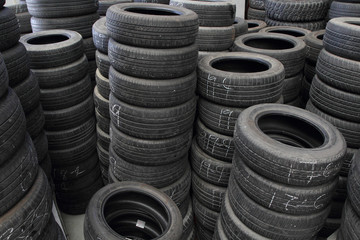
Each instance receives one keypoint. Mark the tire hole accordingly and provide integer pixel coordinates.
(149, 11)
(269, 43)
(288, 32)
(321, 37)
(252, 25)
(240, 65)
(48, 39)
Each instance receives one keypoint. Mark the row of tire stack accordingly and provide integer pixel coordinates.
(72, 15)
(350, 222)
(344, 8)
(23, 15)
(335, 95)
(26, 196)
(152, 98)
(283, 176)
(256, 10)
(289, 50)
(227, 84)
(58, 61)
(305, 14)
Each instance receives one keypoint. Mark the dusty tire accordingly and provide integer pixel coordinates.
(4, 78)
(256, 14)
(102, 63)
(344, 9)
(9, 29)
(314, 44)
(215, 38)
(241, 26)
(312, 26)
(354, 183)
(255, 25)
(100, 35)
(292, 31)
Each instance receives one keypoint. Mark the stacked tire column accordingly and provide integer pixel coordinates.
(152, 100)
(227, 83)
(344, 8)
(334, 92)
(58, 61)
(73, 15)
(256, 10)
(283, 176)
(305, 14)
(25, 85)
(23, 15)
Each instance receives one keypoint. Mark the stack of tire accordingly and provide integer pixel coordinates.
(314, 44)
(334, 93)
(101, 96)
(67, 14)
(305, 14)
(152, 99)
(289, 50)
(283, 176)
(227, 83)
(350, 222)
(58, 61)
(344, 8)
(216, 24)
(25, 85)
(105, 4)
(255, 25)
(256, 10)
(23, 15)
(25, 199)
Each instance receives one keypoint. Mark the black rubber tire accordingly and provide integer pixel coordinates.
(103, 138)
(67, 118)
(63, 75)
(188, 222)
(66, 8)
(105, 4)
(214, 144)
(203, 54)
(81, 24)
(341, 37)
(153, 63)
(152, 93)
(104, 163)
(282, 153)
(30, 215)
(256, 14)
(17, 63)
(35, 121)
(100, 35)
(209, 195)
(350, 222)
(295, 102)
(101, 104)
(221, 81)
(47, 49)
(292, 87)
(89, 48)
(296, 11)
(350, 152)
(18, 7)
(336, 102)
(314, 44)
(257, 4)
(150, 152)
(13, 125)
(289, 50)
(50, 230)
(309, 72)
(344, 9)
(255, 25)
(215, 38)
(292, 31)
(103, 63)
(67, 96)
(312, 26)
(4, 78)
(28, 92)
(157, 176)
(102, 84)
(166, 26)
(282, 226)
(211, 14)
(24, 22)
(103, 122)
(9, 29)
(339, 72)
(163, 216)
(154, 1)
(17, 175)
(46, 166)
(92, 71)
(41, 146)
(241, 26)
(350, 130)
(152, 123)
(219, 233)
(203, 233)
(210, 169)
(354, 183)
(204, 216)
(282, 198)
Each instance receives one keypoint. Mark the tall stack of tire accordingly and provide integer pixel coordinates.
(227, 83)
(350, 222)
(152, 97)
(105, 4)
(305, 14)
(25, 85)
(58, 61)
(23, 15)
(101, 96)
(334, 92)
(216, 24)
(67, 14)
(289, 50)
(256, 10)
(283, 176)
(25, 199)
(314, 44)
(344, 8)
